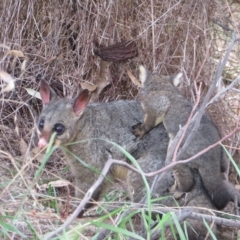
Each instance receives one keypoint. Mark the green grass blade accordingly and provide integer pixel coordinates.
(232, 160)
(49, 151)
(118, 230)
(178, 226)
(209, 230)
(6, 227)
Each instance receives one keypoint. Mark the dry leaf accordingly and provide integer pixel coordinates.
(88, 86)
(33, 93)
(7, 79)
(24, 65)
(16, 124)
(57, 183)
(15, 53)
(133, 78)
(23, 147)
(104, 76)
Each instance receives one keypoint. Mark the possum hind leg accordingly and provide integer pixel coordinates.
(141, 129)
(184, 179)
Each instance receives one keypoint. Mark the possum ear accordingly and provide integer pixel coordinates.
(176, 79)
(47, 93)
(81, 102)
(143, 74)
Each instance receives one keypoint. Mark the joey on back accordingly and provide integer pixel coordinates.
(81, 130)
(162, 102)
(154, 103)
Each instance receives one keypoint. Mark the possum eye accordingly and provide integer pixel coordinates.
(59, 128)
(41, 124)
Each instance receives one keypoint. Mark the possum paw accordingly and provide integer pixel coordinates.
(176, 193)
(138, 130)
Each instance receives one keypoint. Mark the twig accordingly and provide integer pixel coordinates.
(153, 35)
(204, 61)
(209, 218)
(222, 26)
(223, 91)
(234, 22)
(217, 220)
(198, 91)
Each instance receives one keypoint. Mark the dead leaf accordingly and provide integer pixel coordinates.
(16, 53)
(104, 76)
(16, 124)
(133, 78)
(23, 147)
(33, 93)
(24, 65)
(89, 87)
(7, 79)
(57, 183)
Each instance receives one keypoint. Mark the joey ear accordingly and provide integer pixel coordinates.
(176, 79)
(143, 74)
(46, 93)
(81, 102)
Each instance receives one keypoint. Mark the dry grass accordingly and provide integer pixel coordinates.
(53, 40)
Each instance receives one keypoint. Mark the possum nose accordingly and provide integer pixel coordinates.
(42, 142)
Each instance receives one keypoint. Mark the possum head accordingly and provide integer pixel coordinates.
(59, 115)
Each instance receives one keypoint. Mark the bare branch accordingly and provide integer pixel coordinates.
(198, 91)
(236, 80)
